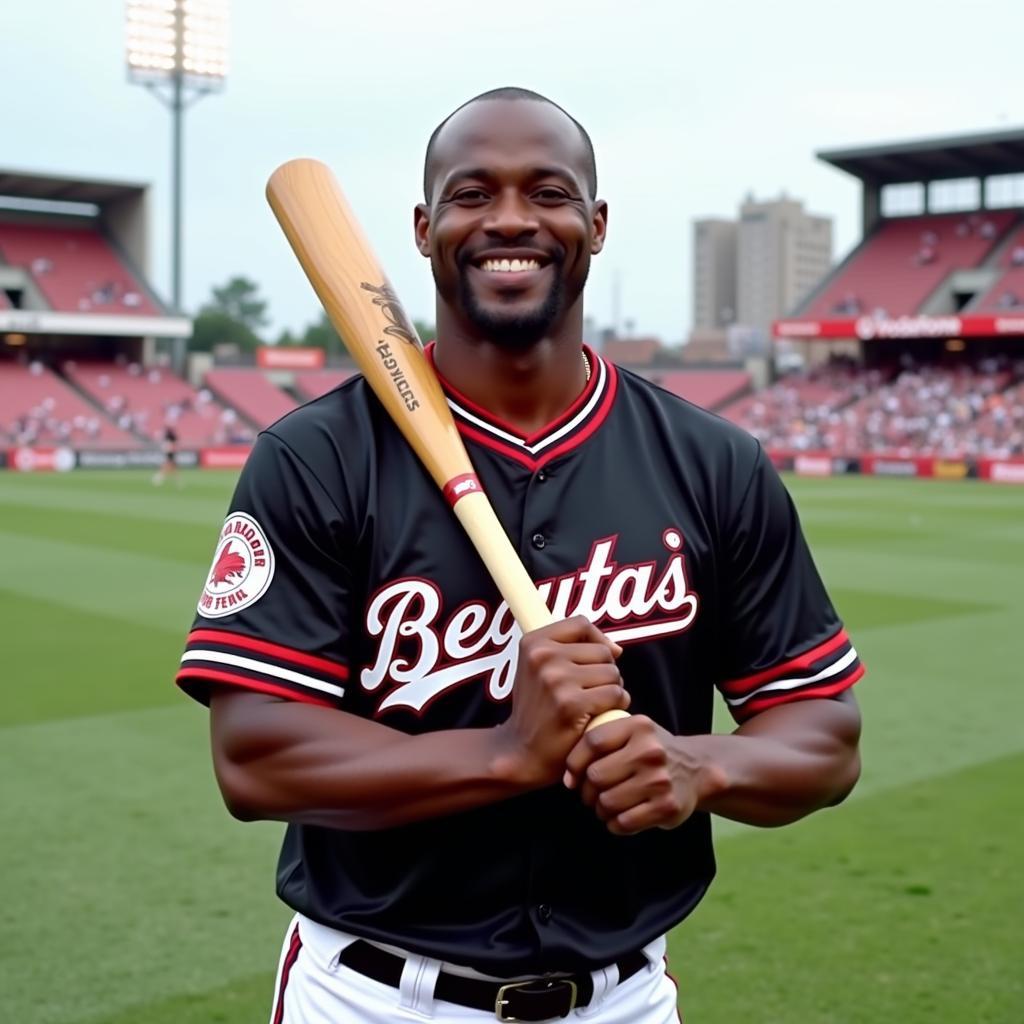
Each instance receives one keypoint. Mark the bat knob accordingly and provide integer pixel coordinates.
(606, 716)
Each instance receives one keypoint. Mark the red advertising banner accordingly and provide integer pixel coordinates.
(868, 328)
(1002, 471)
(223, 458)
(271, 357)
(41, 460)
(813, 465)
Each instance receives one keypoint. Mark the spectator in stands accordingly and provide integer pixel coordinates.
(987, 230)
(1017, 256)
(1008, 300)
(105, 293)
(848, 305)
(132, 299)
(41, 265)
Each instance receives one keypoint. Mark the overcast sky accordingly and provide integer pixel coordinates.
(690, 106)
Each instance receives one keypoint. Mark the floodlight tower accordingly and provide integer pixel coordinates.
(178, 49)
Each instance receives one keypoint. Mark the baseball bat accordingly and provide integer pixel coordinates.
(361, 304)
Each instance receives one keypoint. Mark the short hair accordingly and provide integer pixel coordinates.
(511, 92)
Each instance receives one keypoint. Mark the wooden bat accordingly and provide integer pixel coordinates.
(363, 307)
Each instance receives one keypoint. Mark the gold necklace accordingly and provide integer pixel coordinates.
(586, 366)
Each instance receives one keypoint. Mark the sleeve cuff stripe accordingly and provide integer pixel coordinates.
(209, 675)
(848, 659)
(264, 668)
(828, 690)
(248, 643)
(800, 663)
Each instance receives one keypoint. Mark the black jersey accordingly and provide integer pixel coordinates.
(342, 578)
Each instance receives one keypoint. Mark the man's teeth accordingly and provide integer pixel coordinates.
(510, 266)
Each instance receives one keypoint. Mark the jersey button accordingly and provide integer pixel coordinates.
(544, 913)
(538, 540)
(542, 475)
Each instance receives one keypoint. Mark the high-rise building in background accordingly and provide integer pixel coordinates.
(714, 272)
(749, 272)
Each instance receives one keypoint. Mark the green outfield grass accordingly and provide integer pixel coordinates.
(130, 896)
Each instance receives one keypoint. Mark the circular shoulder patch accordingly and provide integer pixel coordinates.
(243, 566)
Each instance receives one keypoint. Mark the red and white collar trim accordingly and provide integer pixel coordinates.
(566, 432)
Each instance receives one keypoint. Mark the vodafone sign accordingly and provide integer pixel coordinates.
(869, 328)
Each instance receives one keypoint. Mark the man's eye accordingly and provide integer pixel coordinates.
(551, 195)
(470, 195)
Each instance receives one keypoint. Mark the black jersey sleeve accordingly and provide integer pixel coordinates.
(783, 640)
(274, 612)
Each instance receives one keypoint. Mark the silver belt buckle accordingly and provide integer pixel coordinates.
(500, 1002)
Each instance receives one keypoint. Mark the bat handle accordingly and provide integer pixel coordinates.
(606, 716)
(478, 519)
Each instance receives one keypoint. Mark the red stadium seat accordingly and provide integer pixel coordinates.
(37, 407)
(75, 269)
(905, 260)
(251, 393)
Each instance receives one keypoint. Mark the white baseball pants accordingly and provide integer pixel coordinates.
(313, 988)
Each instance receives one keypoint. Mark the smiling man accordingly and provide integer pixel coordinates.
(458, 847)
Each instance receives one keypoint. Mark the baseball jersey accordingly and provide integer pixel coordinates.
(342, 578)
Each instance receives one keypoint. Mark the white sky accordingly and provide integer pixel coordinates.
(690, 106)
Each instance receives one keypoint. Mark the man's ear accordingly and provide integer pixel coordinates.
(599, 225)
(421, 227)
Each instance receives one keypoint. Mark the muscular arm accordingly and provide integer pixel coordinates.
(298, 762)
(288, 761)
(783, 763)
(774, 769)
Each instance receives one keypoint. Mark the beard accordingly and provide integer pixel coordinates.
(517, 328)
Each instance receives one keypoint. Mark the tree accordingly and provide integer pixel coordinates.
(240, 300)
(233, 316)
(426, 331)
(321, 334)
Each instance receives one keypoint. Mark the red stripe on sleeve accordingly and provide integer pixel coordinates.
(742, 713)
(736, 687)
(248, 643)
(213, 675)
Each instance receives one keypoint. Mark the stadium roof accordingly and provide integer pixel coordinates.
(63, 189)
(953, 156)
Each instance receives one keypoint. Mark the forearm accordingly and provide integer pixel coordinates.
(298, 763)
(781, 765)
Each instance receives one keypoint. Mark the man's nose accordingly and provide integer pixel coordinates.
(511, 214)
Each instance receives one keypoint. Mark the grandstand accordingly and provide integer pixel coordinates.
(913, 346)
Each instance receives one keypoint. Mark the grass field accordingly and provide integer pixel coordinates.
(130, 896)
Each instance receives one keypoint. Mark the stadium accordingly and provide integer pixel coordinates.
(911, 345)
(891, 398)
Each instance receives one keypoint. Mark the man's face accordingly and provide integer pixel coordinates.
(510, 227)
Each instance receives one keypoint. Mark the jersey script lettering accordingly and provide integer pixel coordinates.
(628, 602)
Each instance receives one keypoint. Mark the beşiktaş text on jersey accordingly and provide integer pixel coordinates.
(342, 578)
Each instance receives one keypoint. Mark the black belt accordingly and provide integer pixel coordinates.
(534, 1000)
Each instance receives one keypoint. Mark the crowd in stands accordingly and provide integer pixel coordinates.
(913, 410)
(41, 423)
(147, 400)
(970, 409)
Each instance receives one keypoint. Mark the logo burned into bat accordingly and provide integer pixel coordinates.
(399, 325)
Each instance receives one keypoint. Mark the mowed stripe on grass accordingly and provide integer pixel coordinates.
(121, 865)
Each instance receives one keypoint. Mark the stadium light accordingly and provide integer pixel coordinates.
(178, 49)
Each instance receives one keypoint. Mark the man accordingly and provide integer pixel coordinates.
(169, 445)
(458, 847)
